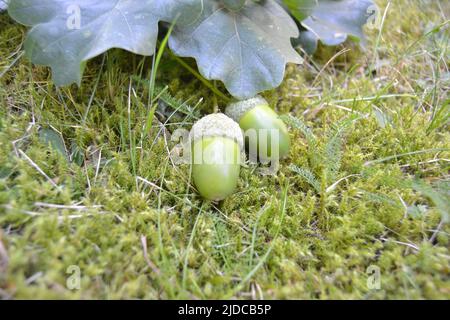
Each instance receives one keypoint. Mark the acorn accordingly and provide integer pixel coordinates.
(266, 135)
(216, 151)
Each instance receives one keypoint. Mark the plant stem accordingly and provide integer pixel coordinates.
(216, 91)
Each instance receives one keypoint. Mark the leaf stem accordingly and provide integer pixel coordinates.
(210, 86)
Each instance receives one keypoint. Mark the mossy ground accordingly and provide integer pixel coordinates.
(367, 189)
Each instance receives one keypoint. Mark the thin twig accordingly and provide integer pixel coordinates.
(34, 165)
(333, 186)
(433, 237)
(61, 206)
(328, 63)
(368, 163)
(147, 259)
(410, 245)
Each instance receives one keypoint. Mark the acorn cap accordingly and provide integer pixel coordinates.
(237, 109)
(217, 125)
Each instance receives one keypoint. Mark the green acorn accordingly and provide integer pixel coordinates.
(266, 135)
(217, 144)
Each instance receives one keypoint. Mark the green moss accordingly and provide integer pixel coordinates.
(96, 210)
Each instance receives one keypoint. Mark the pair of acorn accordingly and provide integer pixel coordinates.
(217, 144)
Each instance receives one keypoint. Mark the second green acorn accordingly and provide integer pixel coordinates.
(266, 135)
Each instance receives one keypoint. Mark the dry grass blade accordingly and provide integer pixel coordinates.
(147, 259)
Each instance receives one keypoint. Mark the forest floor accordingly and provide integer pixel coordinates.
(359, 209)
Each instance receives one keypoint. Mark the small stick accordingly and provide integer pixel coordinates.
(147, 259)
(34, 165)
(60, 206)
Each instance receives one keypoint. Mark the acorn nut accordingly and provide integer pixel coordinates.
(261, 126)
(216, 146)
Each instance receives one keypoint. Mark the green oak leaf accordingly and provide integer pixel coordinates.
(67, 33)
(308, 41)
(300, 9)
(332, 21)
(246, 49)
(234, 4)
